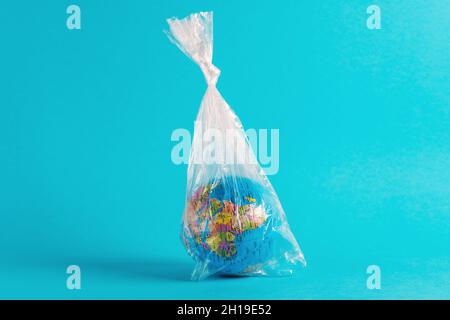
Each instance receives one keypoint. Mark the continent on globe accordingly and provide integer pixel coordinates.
(215, 223)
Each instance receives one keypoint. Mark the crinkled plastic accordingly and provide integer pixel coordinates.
(233, 222)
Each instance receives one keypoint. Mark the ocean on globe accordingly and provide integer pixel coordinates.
(228, 225)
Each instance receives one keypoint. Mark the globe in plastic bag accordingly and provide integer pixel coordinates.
(233, 222)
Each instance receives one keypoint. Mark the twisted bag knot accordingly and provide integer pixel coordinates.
(211, 73)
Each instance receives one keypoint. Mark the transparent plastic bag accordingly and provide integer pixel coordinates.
(233, 222)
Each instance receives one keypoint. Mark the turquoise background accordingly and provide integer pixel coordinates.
(86, 117)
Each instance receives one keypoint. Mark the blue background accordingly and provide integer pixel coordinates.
(86, 117)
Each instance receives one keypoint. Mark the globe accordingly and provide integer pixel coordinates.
(228, 225)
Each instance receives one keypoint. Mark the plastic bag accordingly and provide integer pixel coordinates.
(233, 222)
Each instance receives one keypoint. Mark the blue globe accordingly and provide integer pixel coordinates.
(229, 226)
